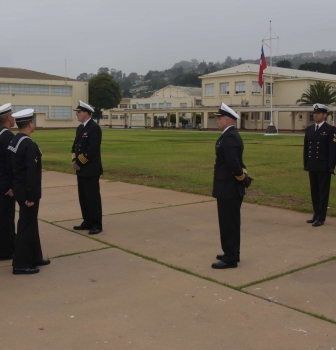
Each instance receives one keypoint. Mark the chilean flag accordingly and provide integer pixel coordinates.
(263, 66)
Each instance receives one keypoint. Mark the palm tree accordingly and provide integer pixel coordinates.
(319, 92)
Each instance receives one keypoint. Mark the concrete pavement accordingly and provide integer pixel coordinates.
(145, 282)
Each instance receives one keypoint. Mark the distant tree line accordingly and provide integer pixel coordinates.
(187, 73)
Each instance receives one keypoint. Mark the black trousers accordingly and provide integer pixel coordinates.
(90, 201)
(319, 189)
(27, 247)
(7, 225)
(229, 226)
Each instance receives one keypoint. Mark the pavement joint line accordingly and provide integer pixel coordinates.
(319, 316)
(210, 279)
(270, 278)
(81, 252)
(135, 211)
(44, 188)
(180, 269)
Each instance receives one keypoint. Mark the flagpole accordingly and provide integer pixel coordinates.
(271, 129)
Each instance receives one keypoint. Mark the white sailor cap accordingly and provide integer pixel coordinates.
(83, 107)
(22, 116)
(225, 110)
(6, 108)
(318, 107)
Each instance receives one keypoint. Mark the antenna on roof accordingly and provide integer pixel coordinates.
(66, 73)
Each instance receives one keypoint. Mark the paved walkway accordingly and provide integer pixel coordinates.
(146, 283)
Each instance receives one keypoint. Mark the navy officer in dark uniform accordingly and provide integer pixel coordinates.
(230, 181)
(319, 160)
(7, 202)
(86, 160)
(27, 175)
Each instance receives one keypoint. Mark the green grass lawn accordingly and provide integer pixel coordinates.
(183, 161)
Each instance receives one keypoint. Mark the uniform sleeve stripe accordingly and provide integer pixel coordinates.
(82, 159)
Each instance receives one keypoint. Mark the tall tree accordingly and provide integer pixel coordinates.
(332, 68)
(83, 77)
(319, 92)
(284, 64)
(188, 79)
(103, 70)
(315, 67)
(104, 93)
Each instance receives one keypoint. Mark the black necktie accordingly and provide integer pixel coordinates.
(317, 127)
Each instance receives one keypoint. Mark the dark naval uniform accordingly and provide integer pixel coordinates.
(27, 176)
(229, 191)
(86, 154)
(7, 203)
(319, 159)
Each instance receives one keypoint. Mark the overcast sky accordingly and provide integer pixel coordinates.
(142, 35)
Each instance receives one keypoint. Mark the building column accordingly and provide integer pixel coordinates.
(168, 120)
(145, 120)
(177, 120)
(194, 120)
(239, 121)
(293, 121)
(110, 121)
(152, 120)
(130, 121)
(276, 120)
(205, 121)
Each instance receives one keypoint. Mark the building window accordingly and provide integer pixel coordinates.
(161, 105)
(134, 106)
(255, 87)
(224, 88)
(268, 88)
(147, 105)
(114, 117)
(267, 116)
(311, 117)
(252, 116)
(61, 112)
(61, 90)
(30, 89)
(121, 117)
(183, 105)
(240, 87)
(37, 109)
(105, 116)
(154, 105)
(4, 88)
(300, 117)
(209, 89)
(123, 105)
(169, 105)
(141, 106)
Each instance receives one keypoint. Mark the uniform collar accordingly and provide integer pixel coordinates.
(84, 124)
(319, 125)
(227, 128)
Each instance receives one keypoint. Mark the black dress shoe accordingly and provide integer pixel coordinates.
(311, 221)
(80, 227)
(220, 256)
(223, 265)
(26, 271)
(94, 231)
(317, 223)
(43, 262)
(7, 257)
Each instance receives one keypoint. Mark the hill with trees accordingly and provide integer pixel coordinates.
(186, 73)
